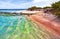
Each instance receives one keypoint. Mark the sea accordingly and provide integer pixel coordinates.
(10, 20)
(10, 24)
(22, 27)
(11, 10)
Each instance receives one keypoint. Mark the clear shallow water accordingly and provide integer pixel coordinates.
(21, 27)
(18, 27)
(7, 20)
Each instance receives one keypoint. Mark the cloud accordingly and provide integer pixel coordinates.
(38, 0)
(35, 1)
(4, 4)
(43, 3)
(26, 4)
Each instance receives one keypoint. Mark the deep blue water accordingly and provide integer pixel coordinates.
(11, 10)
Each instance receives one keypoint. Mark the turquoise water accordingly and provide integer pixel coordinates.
(17, 27)
(8, 25)
(8, 20)
(22, 27)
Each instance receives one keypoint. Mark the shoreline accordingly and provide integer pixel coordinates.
(51, 26)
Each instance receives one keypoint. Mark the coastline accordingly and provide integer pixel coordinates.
(51, 26)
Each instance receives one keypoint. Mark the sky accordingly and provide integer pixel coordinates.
(23, 4)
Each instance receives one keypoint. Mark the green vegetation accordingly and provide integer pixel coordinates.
(56, 5)
(46, 7)
(56, 8)
(34, 8)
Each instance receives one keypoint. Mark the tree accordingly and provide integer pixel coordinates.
(47, 7)
(56, 8)
(34, 8)
(56, 5)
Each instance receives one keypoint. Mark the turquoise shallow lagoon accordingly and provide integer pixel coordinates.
(9, 20)
(22, 27)
(16, 27)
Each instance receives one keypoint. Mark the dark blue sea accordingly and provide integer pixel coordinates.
(11, 10)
